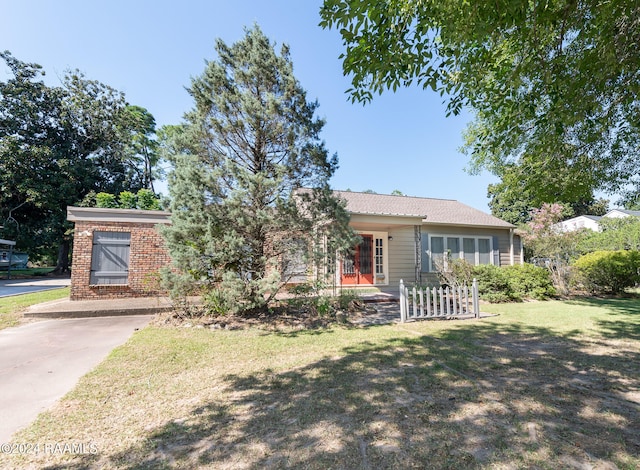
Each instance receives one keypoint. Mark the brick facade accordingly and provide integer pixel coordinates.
(147, 255)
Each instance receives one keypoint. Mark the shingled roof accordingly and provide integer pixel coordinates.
(432, 211)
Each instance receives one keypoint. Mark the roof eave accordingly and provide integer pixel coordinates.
(453, 224)
(99, 214)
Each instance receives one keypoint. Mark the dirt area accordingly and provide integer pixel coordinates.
(358, 314)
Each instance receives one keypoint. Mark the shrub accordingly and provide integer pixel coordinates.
(607, 271)
(457, 272)
(513, 283)
(527, 280)
(493, 284)
(127, 200)
(346, 299)
(106, 200)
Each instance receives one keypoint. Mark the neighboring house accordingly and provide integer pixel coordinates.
(619, 213)
(402, 237)
(591, 221)
(577, 223)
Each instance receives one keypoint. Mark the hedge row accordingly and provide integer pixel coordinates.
(607, 272)
(513, 283)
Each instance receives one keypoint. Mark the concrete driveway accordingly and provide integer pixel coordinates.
(40, 362)
(10, 287)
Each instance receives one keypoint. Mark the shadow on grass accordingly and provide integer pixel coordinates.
(617, 307)
(479, 395)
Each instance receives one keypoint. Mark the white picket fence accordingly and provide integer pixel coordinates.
(438, 303)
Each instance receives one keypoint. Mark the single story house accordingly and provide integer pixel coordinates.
(579, 222)
(619, 213)
(116, 251)
(592, 221)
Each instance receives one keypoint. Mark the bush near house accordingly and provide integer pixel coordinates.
(493, 284)
(607, 272)
(529, 281)
(501, 284)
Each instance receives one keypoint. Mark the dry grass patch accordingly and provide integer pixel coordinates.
(513, 391)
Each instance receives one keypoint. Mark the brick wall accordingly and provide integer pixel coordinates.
(147, 255)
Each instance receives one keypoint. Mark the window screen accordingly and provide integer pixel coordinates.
(453, 247)
(437, 253)
(484, 250)
(469, 248)
(110, 258)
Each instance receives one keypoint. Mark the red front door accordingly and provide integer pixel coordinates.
(357, 267)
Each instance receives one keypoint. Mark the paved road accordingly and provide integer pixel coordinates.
(10, 287)
(42, 361)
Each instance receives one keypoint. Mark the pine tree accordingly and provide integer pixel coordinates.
(250, 179)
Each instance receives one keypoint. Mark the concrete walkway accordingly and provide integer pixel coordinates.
(65, 308)
(41, 361)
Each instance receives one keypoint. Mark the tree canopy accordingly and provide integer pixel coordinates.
(249, 188)
(57, 144)
(530, 183)
(545, 80)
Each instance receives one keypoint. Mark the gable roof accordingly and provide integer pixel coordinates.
(578, 217)
(432, 211)
(624, 211)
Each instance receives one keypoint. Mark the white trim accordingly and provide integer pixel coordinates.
(99, 214)
(511, 254)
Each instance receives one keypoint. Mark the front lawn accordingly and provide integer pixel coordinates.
(11, 307)
(542, 385)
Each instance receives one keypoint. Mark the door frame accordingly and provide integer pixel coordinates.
(379, 241)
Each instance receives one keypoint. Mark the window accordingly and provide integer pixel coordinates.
(473, 250)
(294, 261)
(110, 258)
(484, 251)
(469, 246)
(379, 257)
(437, 252)
(453, 247)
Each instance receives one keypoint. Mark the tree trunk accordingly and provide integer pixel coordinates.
(62, 265)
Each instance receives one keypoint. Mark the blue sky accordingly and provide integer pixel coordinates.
(149, 50)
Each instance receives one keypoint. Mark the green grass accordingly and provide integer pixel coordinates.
(542, 385)
(11, 307)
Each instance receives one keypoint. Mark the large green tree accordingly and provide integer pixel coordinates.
(544, 79)
(57, 144)
(529, 183)
(141, 148)
(251, 178)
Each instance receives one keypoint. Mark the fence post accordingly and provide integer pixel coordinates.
(421, 302)
(474, 296)
(413, 298)
(447, 298)
(403, 311)
(427, 292)
(434, 292)
(454, 300)
(466, 298)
